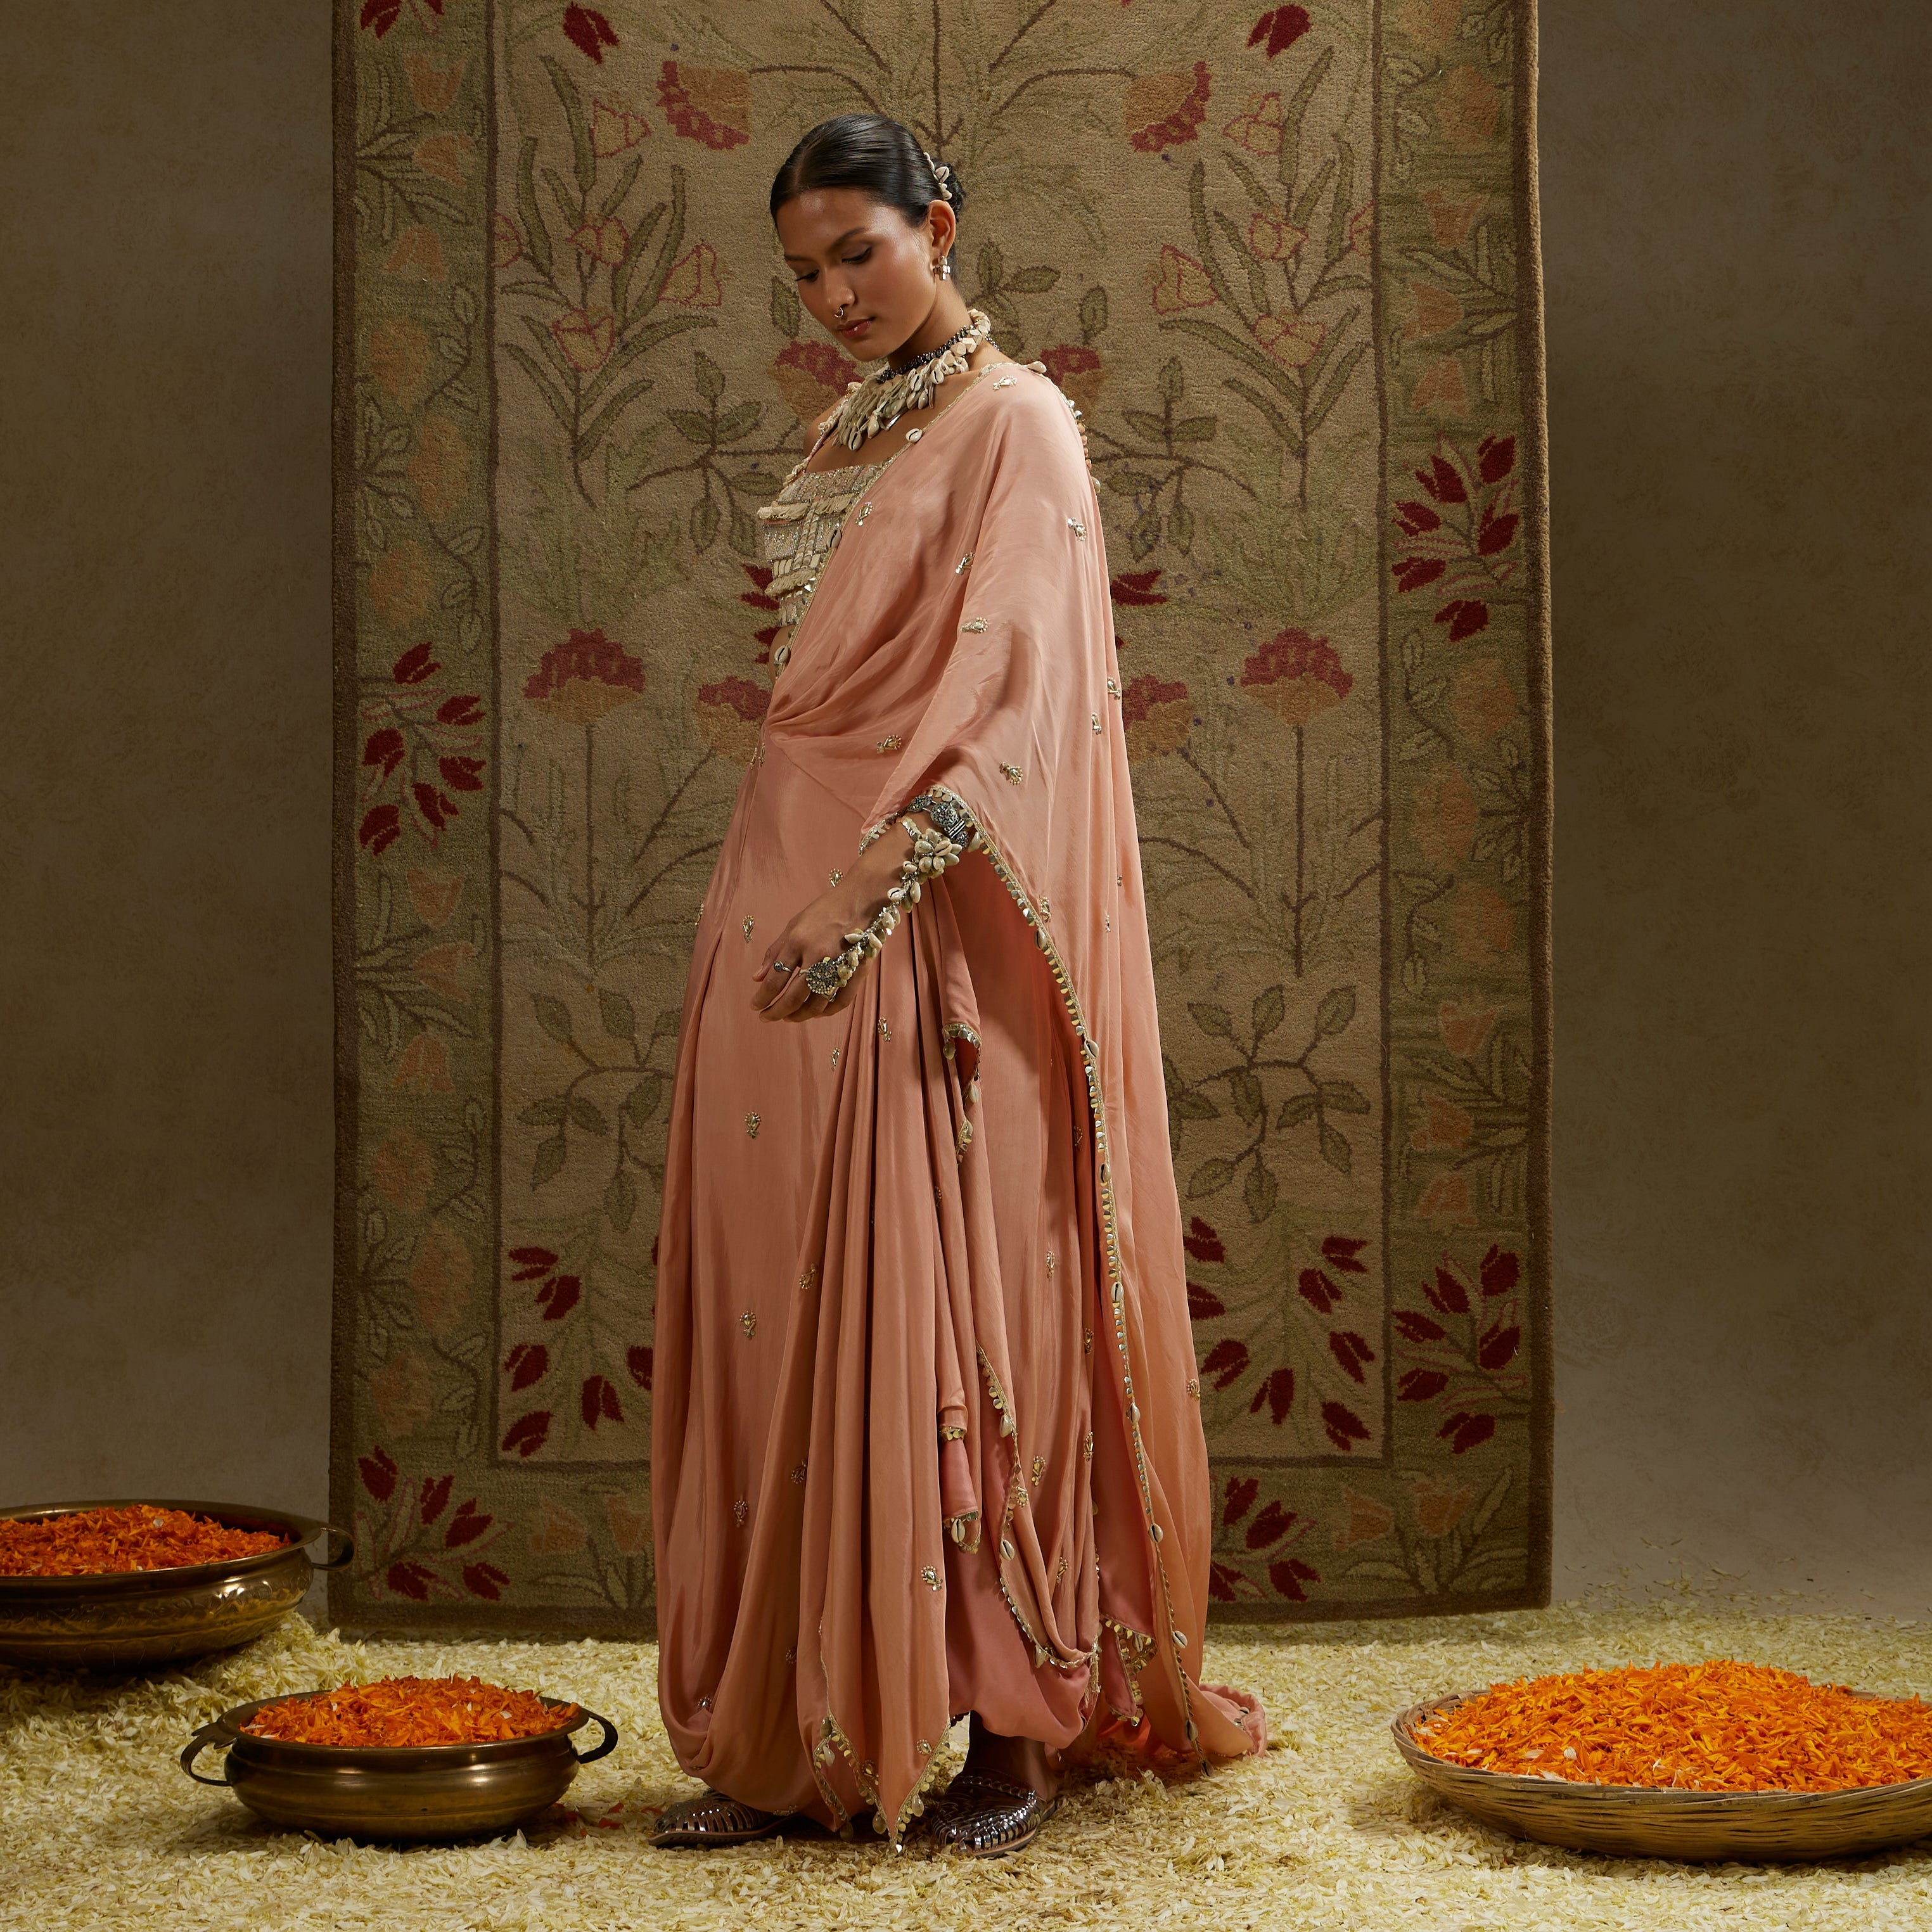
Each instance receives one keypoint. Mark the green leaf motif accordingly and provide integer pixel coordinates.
(1172, 380)
(692, 426)
(620, 1200)
(1296, 1109)
(1336, 1009)
(620, 1022)
(1093, 313)
(587, 1116)
(1211, 1019)
(1335, 1150)
(786, 311)
(542, 1114)
(1250, 1103)
(1210, 1177)
(554, 1016)
(551, 1155)
(708, 377)
(1259, 1193)
(1270, 1004)
(641, 1102)
(1193, 1106)
(1344, 1096)
(579, 129)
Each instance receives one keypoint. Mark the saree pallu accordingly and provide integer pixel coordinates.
(925, 1431)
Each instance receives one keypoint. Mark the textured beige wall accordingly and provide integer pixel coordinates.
(164, 984)
(1734, 205)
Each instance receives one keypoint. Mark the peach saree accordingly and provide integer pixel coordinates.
(926, 1432)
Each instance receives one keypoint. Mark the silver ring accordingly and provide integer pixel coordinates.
(780, 966)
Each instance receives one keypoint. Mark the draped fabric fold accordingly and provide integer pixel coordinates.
(926, 1435)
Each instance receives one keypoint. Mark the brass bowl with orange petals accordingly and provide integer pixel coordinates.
(127, 1619)
(394, 1792)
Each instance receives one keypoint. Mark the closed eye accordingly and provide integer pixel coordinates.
(864, 255)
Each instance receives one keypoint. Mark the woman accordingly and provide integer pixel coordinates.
(925, 1435)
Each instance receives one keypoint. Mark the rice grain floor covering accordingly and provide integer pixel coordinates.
(99, 1828)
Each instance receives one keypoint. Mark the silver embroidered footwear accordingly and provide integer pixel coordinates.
(715, 1819)
(986, 1817)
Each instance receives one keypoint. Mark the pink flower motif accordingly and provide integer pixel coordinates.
(603, 242)
(1157, 718)
(1272, 240)
(1078, 369)
(614, 128)
(1162, 110)
(811, 377)
(1180, 282)
(1297, 676)
(1292, 340)
(693, 279)
(584, 679)
(586, 337)
(710, 104)
(730, 715)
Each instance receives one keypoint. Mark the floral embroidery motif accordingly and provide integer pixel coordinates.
(1051, 1262)
(977, 624)
(885, 1029)
(931, 1577)
(747, 931)
(798, 1475)
(751, 1125)
(809, 1279)
(749, 1323)
(741, 1510)
(891, 744)
(836, 875)
(1074, 524)
(1014, 774)
(1039, 1469)
(959, 568)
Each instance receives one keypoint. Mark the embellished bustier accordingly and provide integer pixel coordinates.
(802, 525)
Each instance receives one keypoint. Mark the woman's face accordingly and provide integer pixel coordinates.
(845, 248)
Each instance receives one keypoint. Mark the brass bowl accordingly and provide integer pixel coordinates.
(1636, 1821)
(125, 1619)
(394, 1791)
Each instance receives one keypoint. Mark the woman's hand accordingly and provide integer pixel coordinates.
(819, 930)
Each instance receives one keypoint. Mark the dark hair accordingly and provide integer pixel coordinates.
(873, 152)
